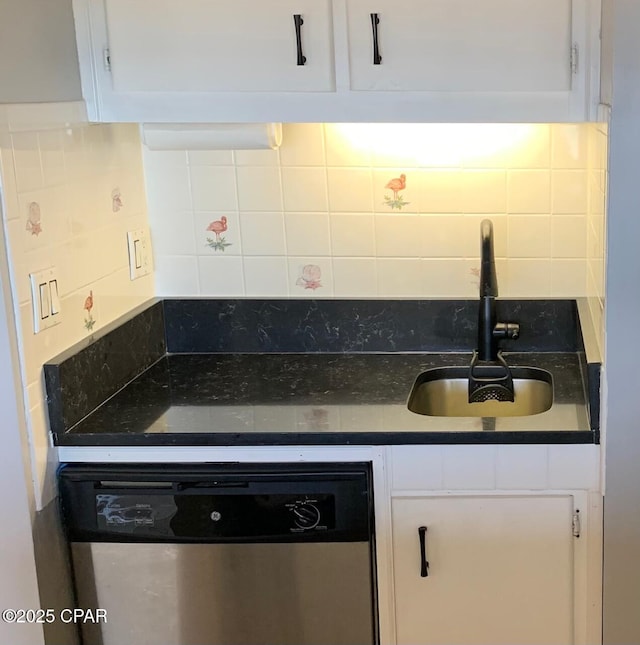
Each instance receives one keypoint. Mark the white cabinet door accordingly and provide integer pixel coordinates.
(500, 570)
(462, 45)
(225, 46)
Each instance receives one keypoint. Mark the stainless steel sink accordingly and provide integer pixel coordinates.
(444, 392)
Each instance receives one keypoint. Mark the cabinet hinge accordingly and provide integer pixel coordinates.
(574, 58)
(106, 59)
(575, 525)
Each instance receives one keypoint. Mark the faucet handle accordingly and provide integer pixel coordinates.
(506, 330)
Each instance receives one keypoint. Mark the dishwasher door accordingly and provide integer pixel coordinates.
(275, 554)
(226, 594)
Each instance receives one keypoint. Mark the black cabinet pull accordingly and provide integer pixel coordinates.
(298, 22)
(375, 21)
(424, 564)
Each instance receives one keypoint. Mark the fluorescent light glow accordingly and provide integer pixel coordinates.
(435, 144)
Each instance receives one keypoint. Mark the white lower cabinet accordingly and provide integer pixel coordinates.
(500, 572)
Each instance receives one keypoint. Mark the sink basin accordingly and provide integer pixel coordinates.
(444, 392)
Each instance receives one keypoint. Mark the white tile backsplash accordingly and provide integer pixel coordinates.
(350, 189)
(209, 157)
(220, 276)
(174, 233)
(400, 235)
(528, 278)
(409, 198)
(58, 184)
(483, 191)
(213, 188)
(259, 188)
(352, 234)
(567, 276)
(400, 277)
(569, 146)
(263, 234)
(569, 192)
(266, 276)
(529, 191)
(307, 234)
(355, 277)
(529, 237)
(304, 189)
(305, 146)
(178, 274)
(26, 159)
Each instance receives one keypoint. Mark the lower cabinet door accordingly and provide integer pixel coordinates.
(500, 570)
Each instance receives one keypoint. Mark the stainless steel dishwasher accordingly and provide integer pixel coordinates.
(223, 554)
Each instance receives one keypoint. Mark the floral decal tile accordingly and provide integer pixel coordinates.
(116, 200)
(475, 272)
(310, 276)
(395, 186)
(89, 320)
(219, 242)
(33, 219)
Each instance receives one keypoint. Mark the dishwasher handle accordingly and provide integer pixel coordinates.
(211, 484)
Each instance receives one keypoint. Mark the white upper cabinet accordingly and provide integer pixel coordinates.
(461, 46)
(229, 46)
(437, 60)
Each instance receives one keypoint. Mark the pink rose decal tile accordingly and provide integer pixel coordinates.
(395, 185)
(310, 276)
(33, 219)
(219, 242)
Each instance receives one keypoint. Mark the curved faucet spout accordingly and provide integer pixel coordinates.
(488, 278)
(489, 329)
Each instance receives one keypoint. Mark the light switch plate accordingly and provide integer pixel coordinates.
(45, 299)
(139, 243)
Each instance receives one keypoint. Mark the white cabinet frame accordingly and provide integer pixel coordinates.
(580, 104)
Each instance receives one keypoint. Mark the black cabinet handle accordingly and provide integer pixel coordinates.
(298, 22)
(424, 564)
(375, 21)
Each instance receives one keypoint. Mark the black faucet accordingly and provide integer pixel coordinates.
(489, 330)
(489, 375)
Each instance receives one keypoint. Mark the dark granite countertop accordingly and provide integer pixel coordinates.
(227, 372)
(322, 398)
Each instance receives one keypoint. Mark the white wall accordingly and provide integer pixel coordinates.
(622, 403)
(39, 61)
(18, 584)
(321, 200)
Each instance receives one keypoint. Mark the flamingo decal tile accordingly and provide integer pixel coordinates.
(33, 219)
(89, 320)
(310, 277)
(219, 243)
(396, 185)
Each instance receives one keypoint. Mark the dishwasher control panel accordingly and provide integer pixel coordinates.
(213, 515)
(219, 506)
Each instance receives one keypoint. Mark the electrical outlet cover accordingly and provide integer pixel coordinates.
(45, 299)
(139, 244)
